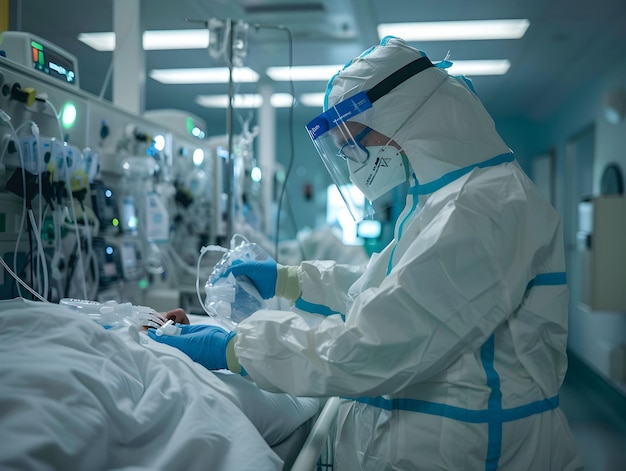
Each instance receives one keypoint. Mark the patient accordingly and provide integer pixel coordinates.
(79, 396)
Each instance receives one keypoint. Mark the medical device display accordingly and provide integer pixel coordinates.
(30, 50)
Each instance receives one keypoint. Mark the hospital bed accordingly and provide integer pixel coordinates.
(74, 395)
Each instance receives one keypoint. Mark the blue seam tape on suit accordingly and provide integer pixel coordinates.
(431, 187)
(314, 308)
(494, 416)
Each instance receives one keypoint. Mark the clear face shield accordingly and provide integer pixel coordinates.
(357, 156)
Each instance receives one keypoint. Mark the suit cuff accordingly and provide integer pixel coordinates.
(231, 358)
(287, 283)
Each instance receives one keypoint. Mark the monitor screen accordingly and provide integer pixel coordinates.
(52, 63)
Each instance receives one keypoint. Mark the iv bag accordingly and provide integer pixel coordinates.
(230, 298)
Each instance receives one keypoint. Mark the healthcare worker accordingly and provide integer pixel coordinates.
(449, 347)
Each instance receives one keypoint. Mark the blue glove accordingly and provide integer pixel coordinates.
(204, 344)
(262, 274)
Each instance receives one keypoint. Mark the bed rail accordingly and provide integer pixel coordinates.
(311, 450)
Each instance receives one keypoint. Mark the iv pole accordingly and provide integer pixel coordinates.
(230, 167)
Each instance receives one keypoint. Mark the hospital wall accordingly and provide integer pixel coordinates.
(594, 335)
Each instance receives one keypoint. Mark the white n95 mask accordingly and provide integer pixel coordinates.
(385, 168)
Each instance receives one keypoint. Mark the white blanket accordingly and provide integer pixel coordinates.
(74, 396)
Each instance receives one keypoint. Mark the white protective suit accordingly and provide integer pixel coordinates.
(449, 346)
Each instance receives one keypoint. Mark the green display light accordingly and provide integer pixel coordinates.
(189, 124)
(68, 115)
(115, 222)
(256, 174)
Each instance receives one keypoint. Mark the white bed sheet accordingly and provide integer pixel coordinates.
(76, 396)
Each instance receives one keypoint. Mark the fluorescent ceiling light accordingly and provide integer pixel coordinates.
(277, 100)
(281, 100)
(455, 30)
(152, 40)
(203, 75)
(176, 39)
(312, 99)
(479, 67)
(98, 41)
(312, 73)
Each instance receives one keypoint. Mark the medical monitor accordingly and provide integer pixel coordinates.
(32, 51)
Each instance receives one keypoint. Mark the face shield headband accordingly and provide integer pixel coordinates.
(338, 139)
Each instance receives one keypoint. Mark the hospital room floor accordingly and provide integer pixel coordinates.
(597, 416)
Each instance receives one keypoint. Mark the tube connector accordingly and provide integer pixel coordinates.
(168, 329)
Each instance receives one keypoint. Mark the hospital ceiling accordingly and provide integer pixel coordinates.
(567, 44)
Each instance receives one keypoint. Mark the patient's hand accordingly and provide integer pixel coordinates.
(178, 316)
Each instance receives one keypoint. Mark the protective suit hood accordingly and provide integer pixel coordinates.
(437, 119)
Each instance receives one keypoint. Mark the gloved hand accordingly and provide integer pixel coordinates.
(204, 344)
(261, 273)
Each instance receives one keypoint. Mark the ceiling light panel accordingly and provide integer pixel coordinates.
(221, 101)
(321, 73)
(203, 75)
(312, 99)
(256, 7)
(277, 100)
(152, 40)
(455, 30)
(176, 39)
(479, 67)
(98, 41)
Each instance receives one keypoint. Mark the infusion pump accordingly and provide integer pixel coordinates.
(32, 51)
